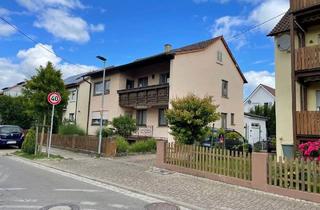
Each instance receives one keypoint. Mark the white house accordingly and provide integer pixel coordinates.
(255, 128)
(262, 95)
(15, 90)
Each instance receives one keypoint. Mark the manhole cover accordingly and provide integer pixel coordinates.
(61, 206)
(161, 206)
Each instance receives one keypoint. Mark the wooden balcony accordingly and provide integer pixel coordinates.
(308, 123)
(307, 58)
(298, 5)
(145, 97)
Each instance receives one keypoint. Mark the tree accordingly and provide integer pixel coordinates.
(36, 90)
(190, 117)
(269, 112)
(124, 125)
(13, 112)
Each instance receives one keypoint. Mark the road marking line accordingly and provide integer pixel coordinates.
(19, 207)
(78, 190)
(11, 189)
(118, 206)
(26, 200)
(88, 203)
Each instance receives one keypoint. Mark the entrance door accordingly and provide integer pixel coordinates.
(254, 133)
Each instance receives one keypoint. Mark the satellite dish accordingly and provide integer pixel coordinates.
(284, 42)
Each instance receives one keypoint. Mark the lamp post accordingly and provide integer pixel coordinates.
(102, 100)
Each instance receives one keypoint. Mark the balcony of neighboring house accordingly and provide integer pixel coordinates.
(308, 114)
(300, 5)
(307, 58)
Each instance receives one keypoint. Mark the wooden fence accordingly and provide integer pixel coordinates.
(298, 174)
(83, 143)
(218, 161)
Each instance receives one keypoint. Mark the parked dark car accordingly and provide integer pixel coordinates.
(11, 135)
(231, 140)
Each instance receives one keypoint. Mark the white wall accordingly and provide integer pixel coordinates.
(13, 91)
(252, 133)
(259, 97)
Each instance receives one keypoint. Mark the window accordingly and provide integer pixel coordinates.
(71, 116)
(73, 95)
(98, 86)
(162, 117)
(224, 120)
(225, 88)
(141, 117)
(96, 116)
(130, 84)
(232, 119)
(164, 78)
(318, 100)
(219, 56)
(143, 82)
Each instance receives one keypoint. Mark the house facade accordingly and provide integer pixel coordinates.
(15, 90)
(297, 63)
(79, 101)
(261, 96)
(144, 88)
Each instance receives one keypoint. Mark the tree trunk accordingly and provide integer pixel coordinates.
(42, 133)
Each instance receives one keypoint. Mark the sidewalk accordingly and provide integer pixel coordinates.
(137, 173)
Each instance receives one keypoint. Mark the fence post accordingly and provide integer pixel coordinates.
(259, 170)
(161, 152)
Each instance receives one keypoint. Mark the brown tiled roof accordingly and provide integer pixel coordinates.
(282, 26)
(196, 46)
(269, 89)
(169, 55)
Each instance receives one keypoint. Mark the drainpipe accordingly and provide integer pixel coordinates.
(76, 111)
(89, 102)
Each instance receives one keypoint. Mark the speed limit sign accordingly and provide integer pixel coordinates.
(54, 98)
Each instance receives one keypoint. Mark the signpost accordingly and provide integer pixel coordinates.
(54, 98)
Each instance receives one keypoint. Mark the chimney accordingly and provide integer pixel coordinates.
(167, 48)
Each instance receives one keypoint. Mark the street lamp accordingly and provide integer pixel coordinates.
(102, 100)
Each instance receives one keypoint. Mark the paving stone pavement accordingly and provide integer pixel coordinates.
(137, 172)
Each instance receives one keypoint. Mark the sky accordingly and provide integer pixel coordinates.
(124, 30)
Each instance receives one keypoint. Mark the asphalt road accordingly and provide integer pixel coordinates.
(25, 186)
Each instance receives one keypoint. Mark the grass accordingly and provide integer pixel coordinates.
(37, 156)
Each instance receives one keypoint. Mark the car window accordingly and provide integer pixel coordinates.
(10, 129)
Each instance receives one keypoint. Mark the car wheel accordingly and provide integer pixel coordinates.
(19, 146)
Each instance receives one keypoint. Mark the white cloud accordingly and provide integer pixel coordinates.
(37, 5)
(268, 9)
(5, 29)
(32, 58)
(229, 26)
(62, 25)
(258, 77)
(96, 28)
(56, 17)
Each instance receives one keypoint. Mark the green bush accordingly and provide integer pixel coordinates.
(28, 144)
(106, 132)
(190, 117)
(143, 146)
(71, 129)
(122, 144)
(124, 125)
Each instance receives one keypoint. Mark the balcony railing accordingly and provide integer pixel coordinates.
(297, 5)
(308, 58)
(308, 123)
(145, 97)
